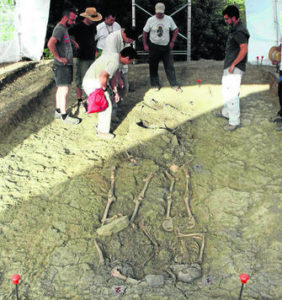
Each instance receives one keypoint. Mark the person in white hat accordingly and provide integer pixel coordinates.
(84, 34)
(159, 27)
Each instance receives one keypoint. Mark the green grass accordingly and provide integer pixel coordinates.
(7, 32)
(7, 27)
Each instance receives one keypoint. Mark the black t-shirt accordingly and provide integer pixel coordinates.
(238, 35)
(85, 37)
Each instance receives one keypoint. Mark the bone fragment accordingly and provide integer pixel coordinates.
(100, 253)
(141, 196)
(117, 274)
(199, 236)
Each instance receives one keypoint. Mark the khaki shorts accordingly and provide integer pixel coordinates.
(81, 67)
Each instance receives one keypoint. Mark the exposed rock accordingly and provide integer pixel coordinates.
(155, 280)
(187, 273)
(114, 226)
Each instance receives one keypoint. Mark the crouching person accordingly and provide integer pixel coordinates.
(101, 75)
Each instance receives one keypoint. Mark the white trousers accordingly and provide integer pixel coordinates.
(230, 92)
(105, 116)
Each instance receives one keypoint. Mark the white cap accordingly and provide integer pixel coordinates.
(160, 8)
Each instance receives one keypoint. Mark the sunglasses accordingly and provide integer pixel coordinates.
(92, 16)
(227, 19)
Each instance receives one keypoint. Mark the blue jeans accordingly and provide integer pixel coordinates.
(156, 54)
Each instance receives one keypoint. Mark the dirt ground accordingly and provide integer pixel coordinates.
(225, 191)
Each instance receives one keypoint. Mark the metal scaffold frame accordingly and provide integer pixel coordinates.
(188, 38)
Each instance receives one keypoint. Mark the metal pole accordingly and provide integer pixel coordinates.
(189, 31)
(17, 293)
(144, 10)
(182, 7)
(133, 14)
(133, 19)
(241, 291)
(277, 23)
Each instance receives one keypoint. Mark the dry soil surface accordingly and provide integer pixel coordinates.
(169, 148)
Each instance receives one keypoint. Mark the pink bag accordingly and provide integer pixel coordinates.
(96, 101)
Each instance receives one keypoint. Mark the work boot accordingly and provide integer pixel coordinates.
(230, 127)
(276, 119)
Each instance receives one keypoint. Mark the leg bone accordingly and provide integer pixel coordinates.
(100, 253)
(111, 195)
(141, 196)
(187, 200)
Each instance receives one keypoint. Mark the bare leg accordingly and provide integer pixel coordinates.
(61, 98)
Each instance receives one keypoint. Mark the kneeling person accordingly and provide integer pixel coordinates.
(99, 75)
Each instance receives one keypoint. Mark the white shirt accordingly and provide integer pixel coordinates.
(108, 63)
(280, 67)
(159, 29)
(114, 44)
(103, 30)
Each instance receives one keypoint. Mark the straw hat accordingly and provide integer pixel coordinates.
(274, 54)
(91, 14)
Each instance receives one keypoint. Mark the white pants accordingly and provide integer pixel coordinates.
(230, 92)
(105, 116)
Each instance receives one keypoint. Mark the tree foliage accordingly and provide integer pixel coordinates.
(208, 30)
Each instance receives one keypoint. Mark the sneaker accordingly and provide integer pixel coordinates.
(105, 136)
(71, 120)
(230, 127)
(57, 115)
(276, 119)
(157, 88)
(178, 89)
(220, 115)
(279, 128)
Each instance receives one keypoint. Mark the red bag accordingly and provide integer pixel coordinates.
(96, 101)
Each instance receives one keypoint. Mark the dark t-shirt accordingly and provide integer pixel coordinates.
(85, 37)
(238, 35)
(63, 44)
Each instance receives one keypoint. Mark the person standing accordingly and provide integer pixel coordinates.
(101, 75)
(84, 34)
(278, 117)
(114, 43)
(234, 66)
(60, 46)
(104, 29)
(159, 27)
